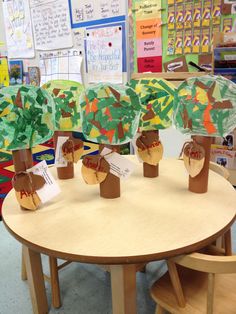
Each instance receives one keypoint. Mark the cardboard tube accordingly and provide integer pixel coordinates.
(22, 160)
(151, 171)
(110, 187)
(199, 184)
(67, 172)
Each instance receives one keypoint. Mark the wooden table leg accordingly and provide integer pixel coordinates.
(123, 285)
(228, 242)
(54, 279)
(35, 278)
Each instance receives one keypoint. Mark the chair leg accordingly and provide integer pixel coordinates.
(228, 242)
(23, 269)
(54, 279)
(159, 310)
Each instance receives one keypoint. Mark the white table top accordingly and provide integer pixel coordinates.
(153, 218)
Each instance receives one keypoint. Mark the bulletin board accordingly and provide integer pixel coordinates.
(110, 39)
(215, 16)
(90, 34)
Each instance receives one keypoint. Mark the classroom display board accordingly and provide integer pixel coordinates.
(103, 39)
(68, 39)
(185, 29)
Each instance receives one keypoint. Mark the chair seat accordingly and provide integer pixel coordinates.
(194, 285)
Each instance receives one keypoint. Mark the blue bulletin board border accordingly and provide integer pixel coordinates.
(109, 20)
(123, 24)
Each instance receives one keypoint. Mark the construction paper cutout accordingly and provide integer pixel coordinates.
(73, 149)
(66, 97)
(26, 185)
(157, 99)
(194, 158)
(26, 117)
(205, 106)
(94, 169)
(149, 149)
(110, 113)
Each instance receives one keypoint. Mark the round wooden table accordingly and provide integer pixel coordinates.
(153, 219)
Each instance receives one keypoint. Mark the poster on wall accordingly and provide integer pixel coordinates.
(148, 47)
(104, 54)
(51, 24)
(60, 65)
(18, 29)
(95, 12)
(4, 75)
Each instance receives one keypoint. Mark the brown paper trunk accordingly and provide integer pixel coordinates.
(151, 171)
(22, 160)
(67, 172)
(199, 184)
(110, 187)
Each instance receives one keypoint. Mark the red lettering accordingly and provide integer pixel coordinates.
(153, 145)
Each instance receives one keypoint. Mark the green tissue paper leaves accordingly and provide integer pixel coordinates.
(26, 117)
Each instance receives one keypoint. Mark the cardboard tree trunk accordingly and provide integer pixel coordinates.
(199, 184)
(67, 172)
(110, 187)
(22, 160)
(151, 171)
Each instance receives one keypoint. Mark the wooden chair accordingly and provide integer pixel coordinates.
(197, 283)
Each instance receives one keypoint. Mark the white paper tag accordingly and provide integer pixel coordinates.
(119, 165)
(60, 161)
(50, 188)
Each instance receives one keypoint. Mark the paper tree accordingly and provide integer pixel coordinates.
(67, 118)
(157, 98)
(204, 107)
(110, 115)
(26, 119)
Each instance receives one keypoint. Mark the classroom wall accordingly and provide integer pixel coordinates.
(171, 138)
(2, 32)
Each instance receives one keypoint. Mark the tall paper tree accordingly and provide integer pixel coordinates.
(26, 120)
(157, 98)
(66, 96)
(110, 116)
(205, 107)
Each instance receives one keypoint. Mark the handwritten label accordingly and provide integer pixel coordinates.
(89, 10)
(104, 54)
(119, 165)
(50, 188)
(51, 25)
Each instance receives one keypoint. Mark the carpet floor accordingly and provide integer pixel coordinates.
(85, 288)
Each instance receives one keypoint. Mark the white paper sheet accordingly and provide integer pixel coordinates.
(104, 54)
(78, 39)
(18, 29)
(51, 187)
(60, 65)
(89, 10)
(51, 24)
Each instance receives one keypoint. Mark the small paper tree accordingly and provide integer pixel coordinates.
(26, 119)
(204, 107)
(67, 119)
(110, 117)
(157, 98)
